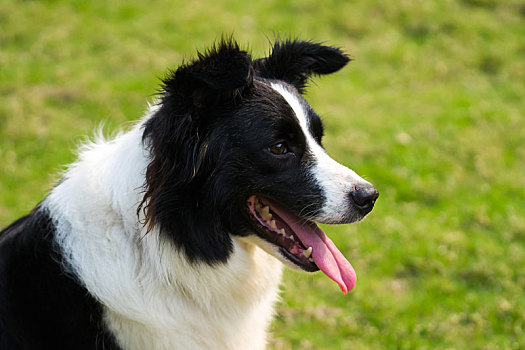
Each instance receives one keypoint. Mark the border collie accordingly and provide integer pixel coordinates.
(173, 235)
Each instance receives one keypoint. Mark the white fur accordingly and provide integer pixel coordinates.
(336, 180)
(153, 297)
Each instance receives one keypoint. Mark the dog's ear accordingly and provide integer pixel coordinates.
(219, 75)
(295, 61)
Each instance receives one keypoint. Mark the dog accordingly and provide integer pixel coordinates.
(173, 234)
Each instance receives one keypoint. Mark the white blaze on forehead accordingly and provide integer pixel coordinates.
(336, 180)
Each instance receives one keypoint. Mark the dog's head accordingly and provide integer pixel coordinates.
(236, 151)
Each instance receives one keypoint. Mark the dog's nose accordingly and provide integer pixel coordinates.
(364, 197)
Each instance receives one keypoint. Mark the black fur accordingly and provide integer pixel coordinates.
(41, 305)
(209, 141)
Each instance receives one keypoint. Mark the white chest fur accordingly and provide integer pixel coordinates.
(225, 308)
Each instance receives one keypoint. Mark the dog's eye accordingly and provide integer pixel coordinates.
(278, 148)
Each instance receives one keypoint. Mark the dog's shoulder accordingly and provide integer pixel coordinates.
(38, 297)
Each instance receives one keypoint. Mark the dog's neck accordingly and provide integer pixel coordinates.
(153, 296)
(231, 305)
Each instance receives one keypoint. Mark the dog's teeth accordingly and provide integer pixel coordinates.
(308, 252)
(272, 224)
(310, 260)
(292, 237)
(282, 232)
(265, 213)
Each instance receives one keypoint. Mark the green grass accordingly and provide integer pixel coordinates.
(431, 111)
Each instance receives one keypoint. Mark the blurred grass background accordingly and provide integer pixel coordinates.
(431, 111)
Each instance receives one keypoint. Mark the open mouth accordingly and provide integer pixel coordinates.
(300, 241)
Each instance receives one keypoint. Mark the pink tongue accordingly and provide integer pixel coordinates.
(326, 255)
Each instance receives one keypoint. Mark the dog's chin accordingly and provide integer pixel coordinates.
(277, 235)
(275, 251)
(297, 241)
(278, 231)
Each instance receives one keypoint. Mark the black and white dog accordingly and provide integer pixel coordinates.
(173, 235)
